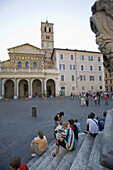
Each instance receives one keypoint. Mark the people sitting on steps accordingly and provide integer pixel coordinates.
(92, 125)
(58, 120)
(39, 145)
(68, 139)
(78, 125)
(15, 164)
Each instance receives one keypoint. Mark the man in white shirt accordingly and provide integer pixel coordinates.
(93, 125)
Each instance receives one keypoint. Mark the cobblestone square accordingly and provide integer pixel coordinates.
(18, 127)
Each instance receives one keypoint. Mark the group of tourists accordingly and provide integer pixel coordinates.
(95, 96)
(66, 134)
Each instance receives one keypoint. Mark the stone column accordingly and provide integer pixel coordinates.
(0, 88)
(30, 88)
(15, 89)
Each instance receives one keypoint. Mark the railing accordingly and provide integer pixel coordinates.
(29, 70)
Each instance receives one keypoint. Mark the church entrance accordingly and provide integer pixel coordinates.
(36, 88)
(9, 88)
(50, 86)
(23, 88)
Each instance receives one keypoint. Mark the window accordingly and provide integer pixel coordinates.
(90, 58)
(71, 57)
(47, 37)
(34, 65)
(45, 29)
(81, 57)
(99, 68)
(98, 59)
(19, 64)
(91, 68)
(110, 81)
(91, 78)
(62, 67)
(49, 29)
(62, 77)
(73, 88)
(82, 78)
(72, 67)
(100, 87)
(92, 88)
(83, 88)
(82, 67)
(72, 77)
(61, 56)
(106, 75)
(106, 82)
(26, 64)
(100, 78)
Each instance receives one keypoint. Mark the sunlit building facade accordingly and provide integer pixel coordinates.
(34, 70)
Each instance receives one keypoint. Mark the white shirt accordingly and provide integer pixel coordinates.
(93, 127)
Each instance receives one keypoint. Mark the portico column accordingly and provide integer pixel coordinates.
(44, 85)
(15, 89)
(30, 89)
(0, 88)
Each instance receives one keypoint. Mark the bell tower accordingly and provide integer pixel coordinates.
(47, 38)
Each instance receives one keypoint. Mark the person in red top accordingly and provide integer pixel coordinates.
(15, 164)
(106, 99)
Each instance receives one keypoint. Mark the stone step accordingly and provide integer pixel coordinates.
(56, 160)
(33, 164)
(83, 155)
(70, 155)
(106, 156)
(93, 162)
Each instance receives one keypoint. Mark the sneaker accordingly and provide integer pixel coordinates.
(33, 154)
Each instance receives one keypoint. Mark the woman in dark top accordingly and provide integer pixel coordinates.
(58, 120)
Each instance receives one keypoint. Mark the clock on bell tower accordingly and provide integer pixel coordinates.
(47, 37)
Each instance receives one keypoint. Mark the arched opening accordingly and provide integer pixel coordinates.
(23, 88)
(34, 65)
(19, 64)
(36, 88)
(9, 88)
(50, 86)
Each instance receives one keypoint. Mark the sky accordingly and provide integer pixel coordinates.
(21, 23)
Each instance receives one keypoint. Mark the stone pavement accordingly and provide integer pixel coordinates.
(18, 127)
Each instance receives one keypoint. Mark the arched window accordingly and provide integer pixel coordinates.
(35, 65)
(26, 64)
(49, 29)
(19, 64)
(45, 29)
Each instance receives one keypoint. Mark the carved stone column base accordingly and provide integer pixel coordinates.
(30, 96)
(15, 97)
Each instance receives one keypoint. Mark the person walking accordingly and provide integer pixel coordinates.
(106, 99)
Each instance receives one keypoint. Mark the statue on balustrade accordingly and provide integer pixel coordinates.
(101, 24)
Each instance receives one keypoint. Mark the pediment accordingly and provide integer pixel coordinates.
(26, 48)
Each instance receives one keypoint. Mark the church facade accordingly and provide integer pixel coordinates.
(51, 70)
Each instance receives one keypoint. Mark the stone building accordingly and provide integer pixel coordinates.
(34, 70)
(79, 71)
(108, 81)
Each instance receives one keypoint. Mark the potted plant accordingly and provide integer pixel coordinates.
(26, 96)
(5, 97)
(61, 94)
(44, 95)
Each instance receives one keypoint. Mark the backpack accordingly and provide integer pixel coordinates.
(100, 124)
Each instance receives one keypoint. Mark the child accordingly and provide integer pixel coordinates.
(58, 131)
(15, 164)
